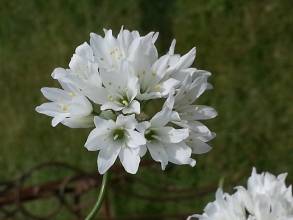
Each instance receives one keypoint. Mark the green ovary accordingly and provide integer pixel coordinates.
(118, 134)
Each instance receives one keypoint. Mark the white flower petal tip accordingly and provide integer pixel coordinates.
(192, 163)
(193, 217)
(38, 109)
(116, 84)
(266, 198)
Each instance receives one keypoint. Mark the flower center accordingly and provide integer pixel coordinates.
(64, 107)
(150, 135)
(124, 101)
(116, 53)
(118, 134)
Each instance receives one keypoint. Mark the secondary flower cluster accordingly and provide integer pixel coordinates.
(266, 198)
(114, 83)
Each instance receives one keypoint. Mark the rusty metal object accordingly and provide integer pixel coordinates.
(69, 190)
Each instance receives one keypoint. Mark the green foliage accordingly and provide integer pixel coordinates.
(247, 45)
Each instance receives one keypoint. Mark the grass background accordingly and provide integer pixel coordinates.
(247, 45)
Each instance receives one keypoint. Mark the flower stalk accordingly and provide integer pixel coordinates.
(100, 199)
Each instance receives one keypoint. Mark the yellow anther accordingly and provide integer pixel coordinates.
(116, 53)
(64, 108)
(116, 137)
(125, 102)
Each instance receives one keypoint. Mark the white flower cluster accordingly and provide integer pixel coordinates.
(266, 198)
(113, 83)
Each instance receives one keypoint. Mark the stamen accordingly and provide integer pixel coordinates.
(118, 134)
(125, 102)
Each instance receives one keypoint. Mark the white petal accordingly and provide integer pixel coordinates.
(98, 138)
(124, 38)
(78, 66)
(198, 127)
(162, 118)
(198, 146)
(204, 137)
(85, 51)
(69, 87)
(148, 96)
(173, 60)
(180, 153)
(198, 87)
(141, 127)
(134, 107)
(80, 106)
(181, 74)
(168, 85)
(169, 103)
(159, 67)
(186, 60)
(158, 153)
(83, 122)
(135, 139)
(100, 48)
(112, 105)
(142, 150)
(132, 84)
(197, 112)
(190, 90)
(59, 118)
(172, 47)
(175, 116)
(59, 73)
(110, 39)
(166, 114)
(97, 94)
(107, 157)
(110, 78)
(192, 216)
(130, 159)
(102, 123)
(142, 51)
(49, 108)
(55, 94)
(128, 122)
(155, 37)
(171, 135)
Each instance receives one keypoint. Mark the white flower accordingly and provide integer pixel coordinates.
(189, 113)
(266, 198)
(225, 207)
(83, 73)
(159, 78)
(164, 142)
(110, 51)
(68, 106)
(116, 138)
(121, 88)
(112, 78)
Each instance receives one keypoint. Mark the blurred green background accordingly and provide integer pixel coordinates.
(247, 45)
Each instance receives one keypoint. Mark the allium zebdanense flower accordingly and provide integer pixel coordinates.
(114, 84)
(266, 198)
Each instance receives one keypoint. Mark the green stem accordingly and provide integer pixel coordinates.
(98, 204)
